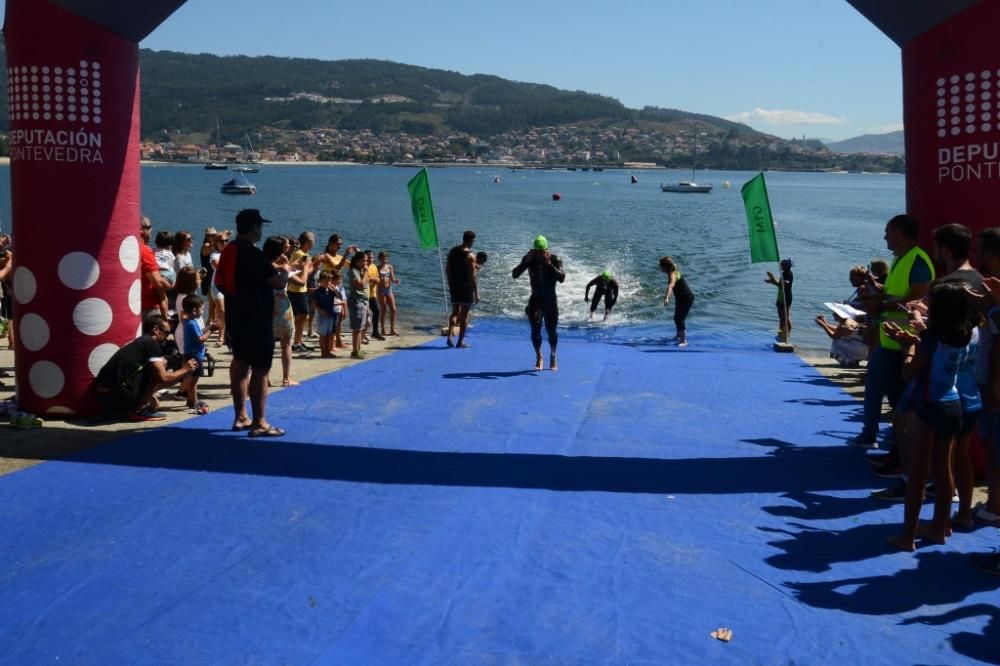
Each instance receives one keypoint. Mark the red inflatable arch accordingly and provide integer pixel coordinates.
(73, 86)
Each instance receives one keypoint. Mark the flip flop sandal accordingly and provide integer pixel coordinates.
(266, 432)
(240, 427)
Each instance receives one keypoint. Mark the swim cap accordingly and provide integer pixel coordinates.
(541, 243)
(606, 275)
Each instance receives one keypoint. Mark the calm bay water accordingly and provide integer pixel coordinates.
(826, 223)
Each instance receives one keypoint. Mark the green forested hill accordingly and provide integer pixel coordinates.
(190, 92)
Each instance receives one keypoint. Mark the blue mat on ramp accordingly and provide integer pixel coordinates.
(453, 506)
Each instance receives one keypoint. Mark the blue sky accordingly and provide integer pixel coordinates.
(786, 67)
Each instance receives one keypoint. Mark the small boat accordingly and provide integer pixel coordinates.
(634, 179)
(686, 186)
(238, 185)
(246, 168)
(216, 166)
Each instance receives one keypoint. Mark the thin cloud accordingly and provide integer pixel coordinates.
(885, 129)
(782, 117)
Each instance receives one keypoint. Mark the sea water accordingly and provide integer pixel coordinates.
(825, 222)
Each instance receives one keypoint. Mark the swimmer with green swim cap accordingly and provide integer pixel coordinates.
(545, 271)
(605, 287)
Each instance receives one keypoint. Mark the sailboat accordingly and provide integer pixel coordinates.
(688, 185)
(250, 163)
(217, 166)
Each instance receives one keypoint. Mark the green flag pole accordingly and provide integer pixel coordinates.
(763, 239)
(422, 208)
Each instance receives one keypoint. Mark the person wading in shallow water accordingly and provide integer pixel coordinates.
(544, 270)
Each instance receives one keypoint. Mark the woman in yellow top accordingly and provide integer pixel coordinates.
(331, 260)
(373, 281)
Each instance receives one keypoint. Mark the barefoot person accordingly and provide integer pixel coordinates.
(544, 270)
(935, 364)
(677, 286)
(605, 286)
(461, 271)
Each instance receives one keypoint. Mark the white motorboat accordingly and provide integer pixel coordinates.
(686, 186)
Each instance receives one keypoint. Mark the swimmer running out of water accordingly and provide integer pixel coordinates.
(544, 270)
(605, 286)
(682, 295)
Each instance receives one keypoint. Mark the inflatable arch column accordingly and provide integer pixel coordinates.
(73, 94)
(951, 107)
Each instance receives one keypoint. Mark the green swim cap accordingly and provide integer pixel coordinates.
(606, 275)
(541, 243)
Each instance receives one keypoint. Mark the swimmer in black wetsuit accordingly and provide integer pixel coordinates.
(545, 270)
(682, 295)
(605, 286)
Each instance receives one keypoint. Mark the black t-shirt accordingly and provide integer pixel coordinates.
(459, 271)
(253, 301)
(128, 363)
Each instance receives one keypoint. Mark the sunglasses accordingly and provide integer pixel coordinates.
(145, 227)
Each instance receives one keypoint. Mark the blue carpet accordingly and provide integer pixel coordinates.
(452, 506)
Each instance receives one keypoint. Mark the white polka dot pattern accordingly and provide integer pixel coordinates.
(128, 254)
(33, 331)
(57, 93)
(100, 356)
(92, 316)
(79, 270)
(25, 285)
(46, 379)
(959, 98)
(135, 297)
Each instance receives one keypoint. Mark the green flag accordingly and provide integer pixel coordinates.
(763, 243)
(423, 210)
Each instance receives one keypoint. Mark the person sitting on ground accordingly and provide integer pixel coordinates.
(844, 328)
(128, 382)
(606, 287)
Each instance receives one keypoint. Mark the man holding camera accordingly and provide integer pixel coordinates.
(128, 382)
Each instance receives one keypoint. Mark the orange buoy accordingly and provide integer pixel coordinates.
(556, 196)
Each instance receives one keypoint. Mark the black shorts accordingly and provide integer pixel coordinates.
(256, 347)
(465, 295)
(299, 301)
(944, 417)
(969, 422)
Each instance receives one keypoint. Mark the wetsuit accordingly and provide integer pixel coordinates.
(461, 279)
(543, 304)
(606, 288)
(683, 300)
